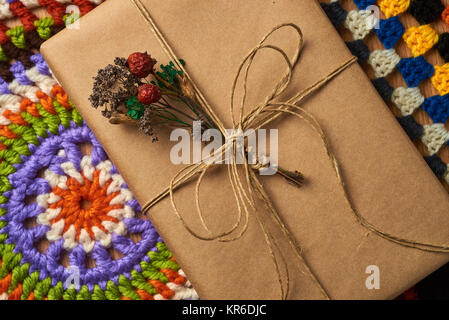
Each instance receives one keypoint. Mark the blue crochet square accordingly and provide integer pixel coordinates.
(438, 108)
(363, 4)
(390, 31)
(415, 70)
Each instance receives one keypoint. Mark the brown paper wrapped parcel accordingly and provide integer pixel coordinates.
(387, 179)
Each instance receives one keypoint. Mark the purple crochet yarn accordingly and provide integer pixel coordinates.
(26, 183)
(4, 88)
(18, 70)
(40, 63)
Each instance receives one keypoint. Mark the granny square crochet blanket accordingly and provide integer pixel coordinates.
(51, 245)
(69, 226)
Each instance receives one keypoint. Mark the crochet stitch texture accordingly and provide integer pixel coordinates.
(408, 88)
(45, 178)
(414, 69)
(62, 210)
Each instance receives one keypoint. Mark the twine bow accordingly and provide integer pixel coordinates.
(245, 189)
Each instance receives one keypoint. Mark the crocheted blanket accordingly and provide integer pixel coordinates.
(406, 54)
(69, 226)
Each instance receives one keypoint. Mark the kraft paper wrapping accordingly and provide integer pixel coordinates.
(388, 181)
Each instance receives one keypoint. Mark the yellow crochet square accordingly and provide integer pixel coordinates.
(392, 8)
(420, 39)
(440, 79)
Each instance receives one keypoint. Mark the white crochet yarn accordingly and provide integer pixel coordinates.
(4, 10)
(57, 229)
(383, 62)
(25, 91)
(360, 23)
(407, 99)
(8, 102)
(434, 137)
(44, 82)
(12, 101)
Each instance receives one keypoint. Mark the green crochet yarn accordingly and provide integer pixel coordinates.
(17, 35)
(3, 57)
(43, 27)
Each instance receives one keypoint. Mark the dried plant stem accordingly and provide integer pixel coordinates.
(168, 106)
(174, 119)
(119, 118)
(173, 91)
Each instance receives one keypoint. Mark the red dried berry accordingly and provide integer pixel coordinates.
(149, 94)
(141, 64)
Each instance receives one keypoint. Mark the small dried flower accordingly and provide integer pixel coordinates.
(145, 124)
(141, 64)
(126, 98)
(169, 74)
(149, 94)
(113, 86)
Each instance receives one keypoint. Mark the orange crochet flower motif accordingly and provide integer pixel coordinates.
(420, 39)
(393, 8)
(85, 207)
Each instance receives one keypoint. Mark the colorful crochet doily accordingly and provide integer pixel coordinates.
(65, 214)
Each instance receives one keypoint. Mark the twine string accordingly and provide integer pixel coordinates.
(243, 191)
